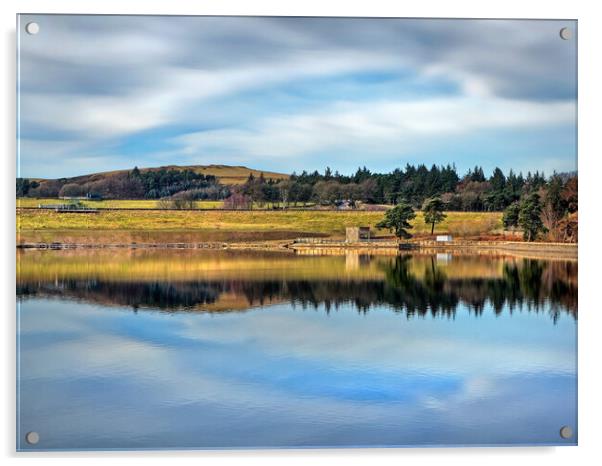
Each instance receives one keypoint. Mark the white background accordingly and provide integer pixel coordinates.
(590, 315)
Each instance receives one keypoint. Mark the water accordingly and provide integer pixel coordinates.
(206, 349)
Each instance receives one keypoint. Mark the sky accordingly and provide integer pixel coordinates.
(99, 93)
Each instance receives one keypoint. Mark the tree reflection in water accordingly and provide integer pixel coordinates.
(527, 284)
(530, 284)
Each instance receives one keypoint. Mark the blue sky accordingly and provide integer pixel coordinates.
(287, 94)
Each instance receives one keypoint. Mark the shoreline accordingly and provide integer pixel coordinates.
(326, 246)
(516, 248)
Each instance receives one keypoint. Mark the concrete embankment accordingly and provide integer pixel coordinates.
(326, 246)
(277, 244)
(517, 248)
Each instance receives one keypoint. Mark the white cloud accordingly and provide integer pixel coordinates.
(97, 116)
(376, 125)
(99, 79)
(172, 93)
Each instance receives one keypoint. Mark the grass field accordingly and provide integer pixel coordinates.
(331, 223)
(112, 203)
(132, 203)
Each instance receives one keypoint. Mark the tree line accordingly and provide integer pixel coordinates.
(549, 200)
(548, 212)
(134, 184)
(413, 185)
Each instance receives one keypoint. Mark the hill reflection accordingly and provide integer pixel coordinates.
(408, 284)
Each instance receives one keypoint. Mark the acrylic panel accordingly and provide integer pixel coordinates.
(291, 232)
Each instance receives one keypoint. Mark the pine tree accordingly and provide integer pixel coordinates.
(397, 220)
(529, 217)
(511, 213)
(498, 180)
(433, 212)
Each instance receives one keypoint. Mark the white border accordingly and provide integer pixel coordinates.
(590, 153)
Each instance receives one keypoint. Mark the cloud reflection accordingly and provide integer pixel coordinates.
(283, 377)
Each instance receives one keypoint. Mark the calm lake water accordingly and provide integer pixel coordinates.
(122, 349)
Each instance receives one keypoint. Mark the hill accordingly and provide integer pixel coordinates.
(225, 174)
(195, 182)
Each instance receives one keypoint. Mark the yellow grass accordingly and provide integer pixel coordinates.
(135, 203)
(331, 223)
(236, 175)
